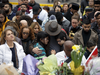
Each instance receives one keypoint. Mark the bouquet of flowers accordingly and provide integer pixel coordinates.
(49, 66)
(76, 55)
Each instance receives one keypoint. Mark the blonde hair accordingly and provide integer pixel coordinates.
(34, 24)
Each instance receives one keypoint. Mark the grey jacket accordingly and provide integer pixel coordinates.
(78, 39)
(65, 24)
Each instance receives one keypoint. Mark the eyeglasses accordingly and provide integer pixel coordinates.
(25, 33)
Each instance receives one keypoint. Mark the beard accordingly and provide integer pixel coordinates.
(23, 10)
(7, 11)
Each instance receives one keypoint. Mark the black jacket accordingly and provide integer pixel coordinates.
(32, 5)
(95, 27)
(91, 15)
(84, 3)
(68, 15)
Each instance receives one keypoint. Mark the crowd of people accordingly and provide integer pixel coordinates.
(30, 29)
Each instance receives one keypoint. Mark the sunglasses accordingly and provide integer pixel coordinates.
(25, 33)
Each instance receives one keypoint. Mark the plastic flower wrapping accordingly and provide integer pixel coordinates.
(93, 67)
(76, 55)
(49, 66)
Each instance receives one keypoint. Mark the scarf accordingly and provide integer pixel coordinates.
(25, 44)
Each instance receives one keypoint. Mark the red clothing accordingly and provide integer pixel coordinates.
(29, 8)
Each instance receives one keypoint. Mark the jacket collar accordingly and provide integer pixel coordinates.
(16, 45)
(80, 37)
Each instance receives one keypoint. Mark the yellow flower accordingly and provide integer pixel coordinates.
(78, 51)
(74, 47)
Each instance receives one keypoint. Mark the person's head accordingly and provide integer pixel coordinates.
(18, 15)
(57, 8)
(25, 1)
(74, 8)
(96, 5)
(88, 11)
(68, 48)
(61, 38)
(32, 1)
(86, 25)
(91, 3)
(75, 21)
(65, 6)
(70, 5)
(20, 2)
(2, 16)
(26, 32)
(8, 8)
(14, 25)
(36, 9)
(1, 6)
(35, 27)
(52, 28)
(51, 12)
(5, 1)
(7, 36)
(55, 3)
(59, 3)
(59, 17)
(23, 23)
(23, 8)
(46, 8)
(27, 18)
(43, 37)
(90, 46)
(97, 16)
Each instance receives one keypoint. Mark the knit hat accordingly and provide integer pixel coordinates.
(52, 18)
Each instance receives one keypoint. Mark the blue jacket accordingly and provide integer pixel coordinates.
(11, 15)
(16, 8)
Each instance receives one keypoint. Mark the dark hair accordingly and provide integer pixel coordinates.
(10, 5)
(97, 14)
(3, 13)
(59, 7)
(5, 1)
(25, 5)
(86, 21)
(46, 8)
(1, 5)
(27, 18)
(90, 44)
(42, 35)
(18, 13)
(52, 12)
(59, 16)
(62, 35)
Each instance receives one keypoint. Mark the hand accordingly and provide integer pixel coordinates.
(53, 52)
(37, 51)
(35, 17)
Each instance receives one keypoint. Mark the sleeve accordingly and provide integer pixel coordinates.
(1, 56)
(82, 7)
(75, 39)
(15, 9)
(22, 55)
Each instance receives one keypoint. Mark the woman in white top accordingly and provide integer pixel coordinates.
(11, 51)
